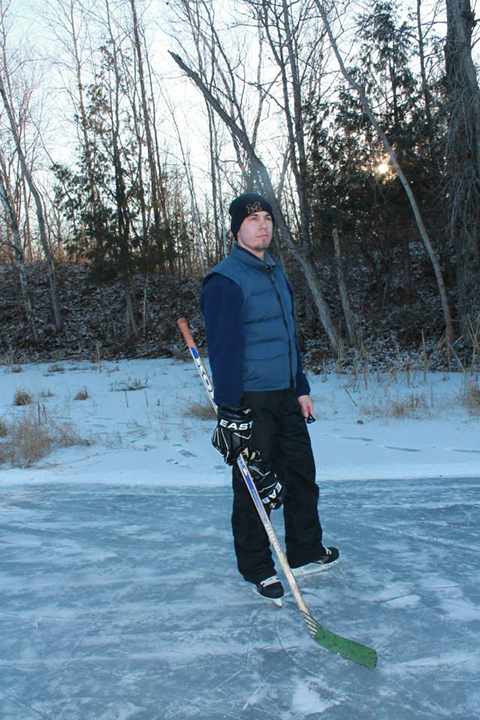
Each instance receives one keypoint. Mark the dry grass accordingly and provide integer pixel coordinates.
(201, 409)
(129, 385)
(17, 369)
(410, 406)
(33, 435)
(46, 394)
(65, 434)
(114, 441)
(3, 429)
(82, 394)
(471, 397)
(56, 369)
(30, 439)
(22, 397)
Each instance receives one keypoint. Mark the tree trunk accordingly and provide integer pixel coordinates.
(93, 192)
(154, 181)
(39, 207)
(131, 327)
(342, 286)
(216, 183)
(297, 137)
(20, 261)
(463, 159)
(427, 95)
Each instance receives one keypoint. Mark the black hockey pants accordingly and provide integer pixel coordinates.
(280, 433)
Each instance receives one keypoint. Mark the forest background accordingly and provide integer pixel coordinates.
(126, 128)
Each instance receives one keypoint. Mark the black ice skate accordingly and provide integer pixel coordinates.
(272, 589)
(328, 559)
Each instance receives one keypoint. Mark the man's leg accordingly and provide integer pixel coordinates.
(296, 467)
(252, 547)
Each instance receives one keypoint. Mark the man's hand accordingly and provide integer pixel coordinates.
(306, 406)
(233, 432)
(272, 492)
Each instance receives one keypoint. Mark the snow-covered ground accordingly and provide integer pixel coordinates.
(119, 595)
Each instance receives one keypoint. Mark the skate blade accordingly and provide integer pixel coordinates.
(306, 571)
(273, 601)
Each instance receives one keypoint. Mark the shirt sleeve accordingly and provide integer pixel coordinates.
(301, 382)
(221, 301)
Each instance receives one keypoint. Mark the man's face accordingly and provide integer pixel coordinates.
(255, 233)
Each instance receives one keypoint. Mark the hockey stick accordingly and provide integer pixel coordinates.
(348, 649)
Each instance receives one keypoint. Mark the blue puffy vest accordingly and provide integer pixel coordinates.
(270, 358)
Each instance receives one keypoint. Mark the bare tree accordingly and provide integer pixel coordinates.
(295, 38)
(27, 174)
(71, 21)
(427, 95)
(19, 258)
(295, 41)
(147, 122)
(114, 90)
(263, 175)
(344, 298)
(216, 184)
(223, 82)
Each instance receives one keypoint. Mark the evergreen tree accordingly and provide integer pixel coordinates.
(353, 186)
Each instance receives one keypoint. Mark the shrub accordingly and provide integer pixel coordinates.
(4, 446)
(3, 429)
(22, 398)
(82, 394)
(30, 438)
(65, 434)
(471, 398)
(34, 434)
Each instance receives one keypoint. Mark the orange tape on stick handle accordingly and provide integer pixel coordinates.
(183, 326)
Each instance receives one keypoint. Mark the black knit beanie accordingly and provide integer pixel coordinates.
(246, 205)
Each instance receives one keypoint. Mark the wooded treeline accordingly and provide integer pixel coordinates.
(359, 120)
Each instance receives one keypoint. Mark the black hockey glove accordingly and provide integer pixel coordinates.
(233, 432)
(272, 492)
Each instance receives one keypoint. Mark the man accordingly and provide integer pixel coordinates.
(263, 398)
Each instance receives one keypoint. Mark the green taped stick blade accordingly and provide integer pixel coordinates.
(348, 649)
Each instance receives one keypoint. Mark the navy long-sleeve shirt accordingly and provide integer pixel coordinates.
(221, 301)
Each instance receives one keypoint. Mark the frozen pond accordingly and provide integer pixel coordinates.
(124, 603)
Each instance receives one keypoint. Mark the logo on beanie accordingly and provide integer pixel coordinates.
(254, 207)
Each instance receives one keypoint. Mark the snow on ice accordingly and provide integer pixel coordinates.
(119, 595)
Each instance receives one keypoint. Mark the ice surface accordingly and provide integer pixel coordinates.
(119, 595)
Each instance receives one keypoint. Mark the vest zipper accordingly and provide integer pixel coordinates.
(284, 317)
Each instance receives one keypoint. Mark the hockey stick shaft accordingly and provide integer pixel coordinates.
(349, 649)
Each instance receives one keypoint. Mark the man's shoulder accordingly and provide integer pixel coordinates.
(215, 279)
(220, 288)
(230, 268)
